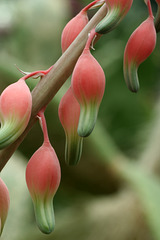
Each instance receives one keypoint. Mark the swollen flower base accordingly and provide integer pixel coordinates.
(69, 112)
(43, 178)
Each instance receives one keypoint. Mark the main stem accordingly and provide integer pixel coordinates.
(49, 85)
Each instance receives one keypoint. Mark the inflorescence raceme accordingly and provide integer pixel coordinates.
(78, 108)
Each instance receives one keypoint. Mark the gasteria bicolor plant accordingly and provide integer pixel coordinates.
(43, 178)
(88, 85)
(69, 112)
(139, 47)
(4, 204)
(76, 24)
(78, 108)
(117, 10)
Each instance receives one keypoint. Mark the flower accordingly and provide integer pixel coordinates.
(117, 10)
(69, 112)
(15, 111)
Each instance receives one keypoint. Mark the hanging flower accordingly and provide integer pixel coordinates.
(139, 47)
(88, 84)
(15, 111)
(43, 178)
(69, 112)
(117, 10)
(76, 25)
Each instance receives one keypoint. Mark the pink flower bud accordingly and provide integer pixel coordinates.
(88, 84)
(117, 10)
(43, 178)
(69, 112)
(75, 26)
(4, 204)
(15, 111)
(139, 46)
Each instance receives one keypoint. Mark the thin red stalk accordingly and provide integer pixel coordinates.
(90, 40)
(43, 72)
(150, 9)
(43, 125)
(86, 8)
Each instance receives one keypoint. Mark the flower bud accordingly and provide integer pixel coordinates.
(15, 111)
(75, 26)
(139, 46)
(4, 204)
(43, 178)
(69, 111)
(117, 9)
(88, 84)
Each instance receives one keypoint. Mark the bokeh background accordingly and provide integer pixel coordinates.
(114, 192)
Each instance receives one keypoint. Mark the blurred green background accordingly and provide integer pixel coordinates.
(95, 200)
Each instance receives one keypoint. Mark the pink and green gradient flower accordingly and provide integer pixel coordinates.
(15, 111)
(4, 204)
(139, 47)
(43, 178)
(76, 25)
(117, 10)
(88, 85)
(69, 112)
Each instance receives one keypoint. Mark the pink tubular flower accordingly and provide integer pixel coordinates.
(88, 84)
(4, 204)
(15, 111)
(75, 26)
(117, 10)
(139, 47)
(69, 112)
(43, 178)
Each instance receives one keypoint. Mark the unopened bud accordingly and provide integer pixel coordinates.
(75, 25)
(15, 111)
(88, 85)
(117, 10)
(69, 112)
(139, 46)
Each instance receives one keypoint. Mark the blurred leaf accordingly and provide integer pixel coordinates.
(147, 188)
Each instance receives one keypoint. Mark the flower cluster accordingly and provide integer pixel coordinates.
(78, 108)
